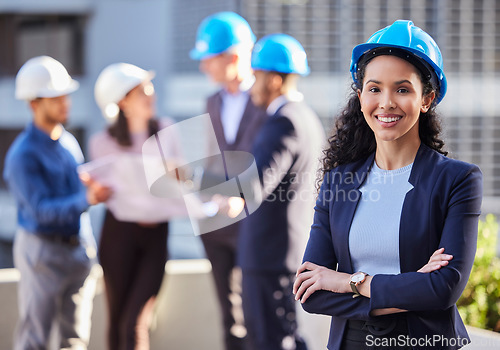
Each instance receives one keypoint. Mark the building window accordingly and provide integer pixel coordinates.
(474, 140)
(23, 36)
(188, 16)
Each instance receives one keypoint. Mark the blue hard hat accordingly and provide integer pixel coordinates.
(219, 32)
(419, 47)
(280, 53)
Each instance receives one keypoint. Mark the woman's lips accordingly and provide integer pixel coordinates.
(388, 120)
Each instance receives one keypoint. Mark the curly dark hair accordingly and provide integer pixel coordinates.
(119, 129)
(352, 139)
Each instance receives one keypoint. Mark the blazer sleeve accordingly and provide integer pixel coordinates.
(320, 251)
(275, 150)
(440, 289)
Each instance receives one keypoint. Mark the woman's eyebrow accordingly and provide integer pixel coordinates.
(403, 81)
(399, 82)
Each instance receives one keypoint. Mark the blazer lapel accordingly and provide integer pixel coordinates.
(344, 206)
(215, 116)
(409, 241)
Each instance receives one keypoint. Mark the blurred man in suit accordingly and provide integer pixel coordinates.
(223, 45)
(287, 151)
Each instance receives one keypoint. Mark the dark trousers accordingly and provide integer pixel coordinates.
(387, 332)
(269, 308)
(133, 260)
(220, 248)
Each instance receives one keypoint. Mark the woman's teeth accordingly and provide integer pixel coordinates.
(388, 119)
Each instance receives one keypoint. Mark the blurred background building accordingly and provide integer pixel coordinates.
(87, 35)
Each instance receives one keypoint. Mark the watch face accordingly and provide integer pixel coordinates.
(358, 277)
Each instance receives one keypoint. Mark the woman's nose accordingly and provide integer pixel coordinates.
(387, 101)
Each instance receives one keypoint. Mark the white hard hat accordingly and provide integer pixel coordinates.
(114, 82)
(43, 76)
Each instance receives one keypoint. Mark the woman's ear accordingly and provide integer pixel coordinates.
(358, 92)
(427, 101)
(123, 104)
(274, 81)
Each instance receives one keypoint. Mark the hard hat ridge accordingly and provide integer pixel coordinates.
(219, 32)
(114, 83)
(405, 36)
(280, 53)
(43, 76)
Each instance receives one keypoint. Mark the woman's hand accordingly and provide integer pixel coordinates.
(436, 261)
(312, 277)
(96, 192)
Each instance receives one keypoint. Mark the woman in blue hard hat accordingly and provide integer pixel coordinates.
(394, 233)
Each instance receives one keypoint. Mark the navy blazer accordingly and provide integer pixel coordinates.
(287, 151)
(251, 121)
(442, 210)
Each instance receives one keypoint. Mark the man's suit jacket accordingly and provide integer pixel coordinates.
(442, 210)
(287, 151)
(251, 121)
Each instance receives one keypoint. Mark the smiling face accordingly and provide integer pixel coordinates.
(392, 99)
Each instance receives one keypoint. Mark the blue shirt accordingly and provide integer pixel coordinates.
(374, 233)
(41, 174)
(232, 110)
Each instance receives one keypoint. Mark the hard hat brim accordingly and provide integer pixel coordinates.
(302, 73)
(197, 55)
(361, 49)
(72, 87)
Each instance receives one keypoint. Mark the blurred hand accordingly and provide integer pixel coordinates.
(229, 206)
(436, 261)
(96, 192)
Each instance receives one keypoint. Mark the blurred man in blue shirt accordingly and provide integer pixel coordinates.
(51, 252)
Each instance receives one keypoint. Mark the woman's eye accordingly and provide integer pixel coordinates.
(402, 90)
(374, 89)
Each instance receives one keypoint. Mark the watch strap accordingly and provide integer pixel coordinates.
(355, 290)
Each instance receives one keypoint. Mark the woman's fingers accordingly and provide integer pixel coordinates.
(436, 261)
(429, 268)
(307, 266)
(439, 251)
(304, 278)
(298, 281)
(307, 294)
(305, 286)
(440, 258)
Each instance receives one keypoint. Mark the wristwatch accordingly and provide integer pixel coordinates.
(356, 279)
